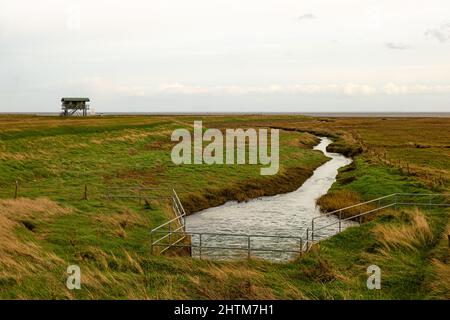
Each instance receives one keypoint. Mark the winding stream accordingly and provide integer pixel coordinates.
(281, 215)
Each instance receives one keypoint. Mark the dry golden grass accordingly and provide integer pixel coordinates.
(16, 156)
(231, 282)
(441, 286)
(414, 235)
(17, 257)
(340, 199)
(126, 136)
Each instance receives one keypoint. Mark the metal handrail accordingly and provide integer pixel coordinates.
(180, 214)
(395, 203)
(235, 235)
(233, 248)
(352, 206)
(355, 216)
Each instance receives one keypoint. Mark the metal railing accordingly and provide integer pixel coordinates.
(199, 242)
(172, 234)
(356, 212)
(173, 231)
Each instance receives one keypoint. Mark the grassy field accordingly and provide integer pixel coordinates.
(50, 226)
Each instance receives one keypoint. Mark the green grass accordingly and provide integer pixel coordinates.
(109, 239)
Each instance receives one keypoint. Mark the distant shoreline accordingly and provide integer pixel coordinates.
(312, 114)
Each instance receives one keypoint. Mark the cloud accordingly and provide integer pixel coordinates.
(307, 16)
(103, 87)
(178, 88)
(397, 46)
(441, 33)
(100, 86)
(348, 89)
(398, 89)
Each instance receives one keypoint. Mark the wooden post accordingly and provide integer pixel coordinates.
(16, 191)
(448, 237)
(85, 192)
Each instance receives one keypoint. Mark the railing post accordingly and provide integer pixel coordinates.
(16, 191)
(396, 201)
(307, 238)
(170, 234)
(248, 247)
(312, 230)
(151, 242)
(301, 245)
(200, 247)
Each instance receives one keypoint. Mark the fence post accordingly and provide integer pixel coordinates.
(248, 247)
(85, 192)
(340, 218)
(16, 191)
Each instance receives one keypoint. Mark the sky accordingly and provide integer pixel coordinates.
(226, 56)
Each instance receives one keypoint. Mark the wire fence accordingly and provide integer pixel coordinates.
(87, 191)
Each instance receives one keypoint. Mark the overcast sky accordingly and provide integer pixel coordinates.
(226, 55)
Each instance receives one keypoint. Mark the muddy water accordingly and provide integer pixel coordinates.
(281, 215)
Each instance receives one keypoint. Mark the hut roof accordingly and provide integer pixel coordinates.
(75, 100)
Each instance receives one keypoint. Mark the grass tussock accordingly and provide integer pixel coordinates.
(415, 234)
(343, 198)
(231, 282)
(19, 257)
(321, 271)
(440, 288)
